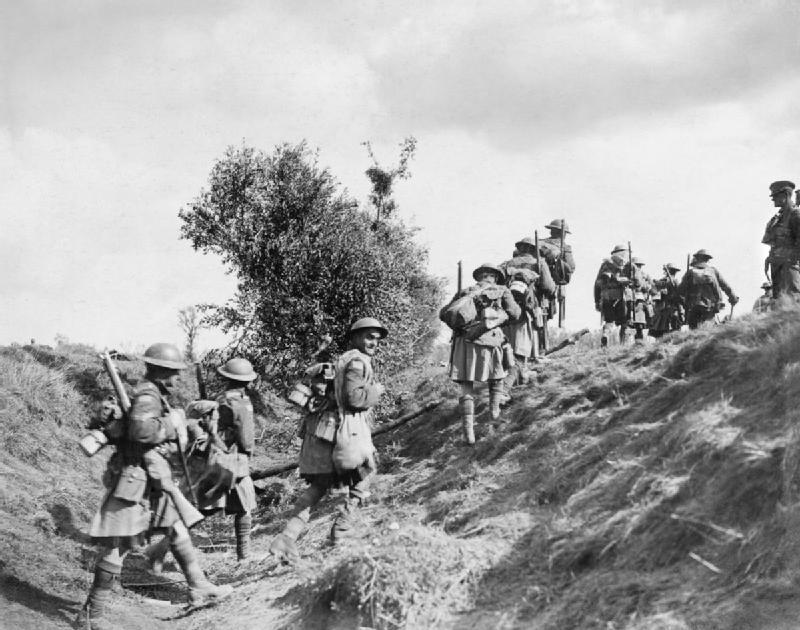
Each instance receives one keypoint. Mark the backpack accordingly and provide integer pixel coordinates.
(703, 290)
(460, 312)
(491, 313)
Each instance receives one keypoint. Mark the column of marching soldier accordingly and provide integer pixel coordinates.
(500, 324)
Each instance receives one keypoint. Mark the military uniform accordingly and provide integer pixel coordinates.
(341, 460)
(642, 315)
(561, 261)
(613, 293)
(701, 289)
(523, 334)
(477, 353)
(782, 234)
(141, 494)
(765, 302)
(668, 307)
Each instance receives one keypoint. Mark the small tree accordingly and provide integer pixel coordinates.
(190, 323)
(308, 262)
(383, 179)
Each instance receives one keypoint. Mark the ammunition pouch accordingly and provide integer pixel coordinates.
(323, 425)
(131, 484)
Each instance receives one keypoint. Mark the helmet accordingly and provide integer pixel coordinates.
(501, 277)
(778, 187)
(164, 355)
(637, 261)
(558, 224)
(619, 248)
(238, 369)
(702, 253)
(526, 244)
(766, 285)
(672, 267)
(368, 322)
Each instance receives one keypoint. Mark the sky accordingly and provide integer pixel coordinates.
(661, 123)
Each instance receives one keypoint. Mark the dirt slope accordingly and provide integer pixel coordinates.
(653, 487)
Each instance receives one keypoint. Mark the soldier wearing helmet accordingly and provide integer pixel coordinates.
(782, 234)
(141, 494)
(613, 292)
(478, 348)
(561, 262)
(337, 453)
(701, 290)
(765, 302)
(668, 309)
(227, 484)
(528, 277)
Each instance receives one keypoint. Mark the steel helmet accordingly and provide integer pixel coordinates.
(238, 369)
(368, 322)
(164, 355)
(619, 248)
(672, 267)
(558, 224)
(501, 277)
(637, 261)
(700, 253)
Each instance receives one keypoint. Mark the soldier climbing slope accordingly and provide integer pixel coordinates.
(782, 234)
(338, 458)
(668, 306)
(642, 305)
(232, 440)
(701, 289)
(613, 292)
(141, 496)
(478, 353)
(533, 288)
(764, 302)
(559, 258)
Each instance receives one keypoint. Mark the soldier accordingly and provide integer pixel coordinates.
(783, 237)
(668, 310)
(339, 459)
(141, 495)
(562, 263)
(613, 295)
(533, 289)
(477, 354)
(643, 307)
(764, 302)
(233, 432)
(701, 289)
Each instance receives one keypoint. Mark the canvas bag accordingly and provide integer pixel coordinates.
(490, 311)
(353, 447)
(460, 312)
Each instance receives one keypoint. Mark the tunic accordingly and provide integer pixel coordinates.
(134, 502)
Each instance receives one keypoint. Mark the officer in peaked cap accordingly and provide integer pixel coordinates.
(782, 265)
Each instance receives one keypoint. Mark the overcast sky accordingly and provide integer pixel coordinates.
(662, 123)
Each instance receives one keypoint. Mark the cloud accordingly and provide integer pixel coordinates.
(542, 71)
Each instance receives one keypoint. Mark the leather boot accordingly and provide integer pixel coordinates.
(283, 545)
(154, 555)
(201, 590)
(242, 524)
(345, 525)
(495, 397)
(93, 615)
(467, 405)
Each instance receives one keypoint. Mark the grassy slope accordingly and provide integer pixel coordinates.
(580, 510)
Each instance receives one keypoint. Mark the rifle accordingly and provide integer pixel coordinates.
(631, 275)
(545, 339)
(687, 262)
(189, 515)
(201, 381)
(459, 277)
(559, 294)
